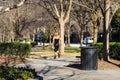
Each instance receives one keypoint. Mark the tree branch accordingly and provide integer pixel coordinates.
(117, 7)
(13, 7)
(44, 5)
(56, 11)
(68, 12)
(61, 6)
(83, 5)
(102, 10)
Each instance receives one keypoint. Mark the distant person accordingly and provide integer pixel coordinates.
(55, 45)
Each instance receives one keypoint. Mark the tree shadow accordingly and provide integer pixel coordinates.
(118, 65)
(48, 69)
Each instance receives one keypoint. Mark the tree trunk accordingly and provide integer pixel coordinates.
(2, 37)
(33, 37)
(43, 45)
(81, 37)
(12, 38)
(63, 17)
(8, 38)
(68, 32)
(95, 33)
(106, 31)
(62, 24)
(50, 42)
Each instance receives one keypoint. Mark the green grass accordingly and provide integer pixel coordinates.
(72, 49)
(69, 51)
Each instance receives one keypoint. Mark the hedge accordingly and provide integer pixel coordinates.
(114, 50)
(12, 73)
(15, 49)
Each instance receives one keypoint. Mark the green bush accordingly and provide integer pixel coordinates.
(114, 50)
(12, 73)
(99, 49)
(33, 44)
(15, 49)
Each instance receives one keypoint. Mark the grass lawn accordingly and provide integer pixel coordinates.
(69, 51)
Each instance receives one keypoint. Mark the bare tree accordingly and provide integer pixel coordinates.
(7, 6)
(108, 8)
(92, 11)
(80, 14)
(105, 6)
(60, 10)
(67, 35)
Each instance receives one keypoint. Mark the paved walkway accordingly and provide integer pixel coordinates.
(56, 69)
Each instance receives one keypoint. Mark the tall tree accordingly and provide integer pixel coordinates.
(109, 6)
(106, 29)
(106, 7)
(60, 10)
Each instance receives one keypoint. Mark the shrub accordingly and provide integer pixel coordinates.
(100, 50)
(12, 73)
(15, 49)
(114, 50)
(33, 44)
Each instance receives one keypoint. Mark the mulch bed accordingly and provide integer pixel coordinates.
(110, 65)
(12, 60)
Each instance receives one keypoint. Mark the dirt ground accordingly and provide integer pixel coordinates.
(102, 65)
(110, 65)
(11, 60)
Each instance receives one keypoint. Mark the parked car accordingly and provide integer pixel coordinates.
(87, 40)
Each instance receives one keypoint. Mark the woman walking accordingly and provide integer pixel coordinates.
(55, 46)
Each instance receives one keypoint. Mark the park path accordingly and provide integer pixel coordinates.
(59, 69)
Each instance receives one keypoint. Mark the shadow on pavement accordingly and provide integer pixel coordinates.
(76, 66)
(55, 73)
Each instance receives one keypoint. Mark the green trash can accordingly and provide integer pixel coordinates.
(89, 58)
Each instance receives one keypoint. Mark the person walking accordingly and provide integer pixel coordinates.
(55, 45)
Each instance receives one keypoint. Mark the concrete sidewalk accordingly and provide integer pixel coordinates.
(56, 69)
